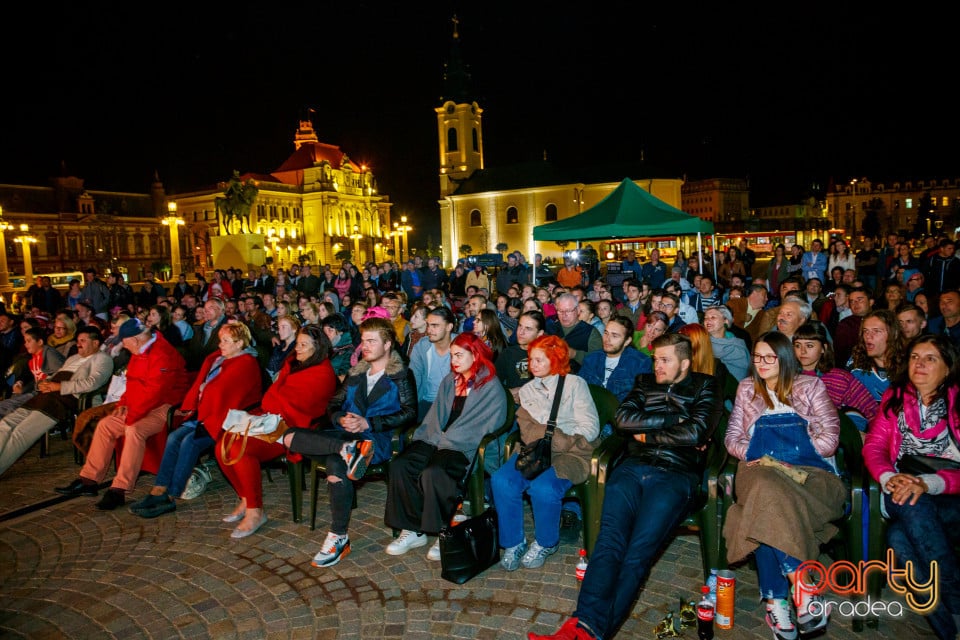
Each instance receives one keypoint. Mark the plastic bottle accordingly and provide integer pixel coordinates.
(712, 583)
(705, 611)
(582, 564)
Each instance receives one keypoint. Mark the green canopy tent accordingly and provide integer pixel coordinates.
(627, 212)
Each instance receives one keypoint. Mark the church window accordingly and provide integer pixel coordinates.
(551, 213)
(451, 139)
(512, 215)
(475, 218)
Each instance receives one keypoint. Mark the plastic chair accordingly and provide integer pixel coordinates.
(476, 480)
(399, 439)
(591, 501)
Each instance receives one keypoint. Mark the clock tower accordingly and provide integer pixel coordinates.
(459, 124)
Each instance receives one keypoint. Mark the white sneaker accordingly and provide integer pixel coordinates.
(407, 540)
(813, 613)
(780, 620)
(434, 553)
(335, 548)
(197, 483)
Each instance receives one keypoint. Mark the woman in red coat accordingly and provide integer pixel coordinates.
(300, 394)
(230, 377)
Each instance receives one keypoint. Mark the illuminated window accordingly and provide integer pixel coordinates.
(551, 213)
(945, 201)
(512, 215)
(909, 203)
(475, 218)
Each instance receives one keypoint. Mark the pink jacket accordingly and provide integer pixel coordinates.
(882, 446)
(809, 399)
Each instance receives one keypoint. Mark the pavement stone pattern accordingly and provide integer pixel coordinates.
(68, 570)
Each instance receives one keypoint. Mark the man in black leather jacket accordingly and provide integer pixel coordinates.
(670, 418)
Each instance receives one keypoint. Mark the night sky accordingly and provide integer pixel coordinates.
(788, 100)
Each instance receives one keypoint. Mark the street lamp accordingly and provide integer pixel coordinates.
(403, 228)
(174, 222)
(25, 240)
(356, 235)
(4, 274)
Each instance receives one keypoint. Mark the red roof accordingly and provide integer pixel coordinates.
(312, 153)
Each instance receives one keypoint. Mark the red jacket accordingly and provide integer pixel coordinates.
(237, 386)
(154, 378)
(302, 396)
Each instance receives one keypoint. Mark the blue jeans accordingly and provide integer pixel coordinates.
(180, 456)
(642, 506)
(927, 532)
(773, 566)
(546, 495)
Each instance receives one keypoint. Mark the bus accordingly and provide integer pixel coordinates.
(764, 242)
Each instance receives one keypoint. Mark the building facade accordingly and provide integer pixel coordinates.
(74, 227)
(316, 205)
(482, 207)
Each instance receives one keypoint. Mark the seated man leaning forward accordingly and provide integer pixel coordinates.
(156, 378)
(377, 397)
(671, 416)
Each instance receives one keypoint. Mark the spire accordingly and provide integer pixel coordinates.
(456, 77)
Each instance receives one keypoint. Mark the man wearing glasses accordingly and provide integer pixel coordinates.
(581, 337)
(670, 305)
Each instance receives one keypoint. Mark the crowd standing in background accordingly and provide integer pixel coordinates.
(376, 348)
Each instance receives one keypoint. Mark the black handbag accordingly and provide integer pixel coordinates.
(534, 458)
(469, 548)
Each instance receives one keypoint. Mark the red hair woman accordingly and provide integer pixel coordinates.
(577, 426)
(427, 480)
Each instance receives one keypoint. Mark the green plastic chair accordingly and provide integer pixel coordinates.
(586, 492)
(475, 481)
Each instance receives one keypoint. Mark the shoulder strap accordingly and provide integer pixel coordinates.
(552, 420)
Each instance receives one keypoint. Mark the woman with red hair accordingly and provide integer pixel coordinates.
(428, 478)
(577, 427)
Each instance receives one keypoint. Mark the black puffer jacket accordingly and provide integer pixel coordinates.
(677, 419)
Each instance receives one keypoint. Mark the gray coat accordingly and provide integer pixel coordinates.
(483, 412)
(89, 376)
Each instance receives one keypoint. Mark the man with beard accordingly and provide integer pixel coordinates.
(671, 417)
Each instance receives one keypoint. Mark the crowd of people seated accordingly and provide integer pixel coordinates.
(352, 355)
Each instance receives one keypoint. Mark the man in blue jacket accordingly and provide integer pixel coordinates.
(616, 367)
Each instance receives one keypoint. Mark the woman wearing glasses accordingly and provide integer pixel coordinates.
(781, 416)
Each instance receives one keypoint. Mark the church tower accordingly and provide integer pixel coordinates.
(459, 129)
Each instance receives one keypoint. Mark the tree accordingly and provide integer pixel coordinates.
(563, 244)
(466, 249)
(502, 247)
(926, 214)
(343, 255)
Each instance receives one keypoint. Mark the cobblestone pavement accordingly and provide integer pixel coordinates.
(70, 571)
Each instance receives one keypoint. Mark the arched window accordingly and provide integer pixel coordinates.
(551, 213)
(451, 139)
(475, 218)
(512, 216)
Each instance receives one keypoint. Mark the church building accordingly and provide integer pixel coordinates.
(482, 207)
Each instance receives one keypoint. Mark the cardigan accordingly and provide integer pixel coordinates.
(484, 411)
